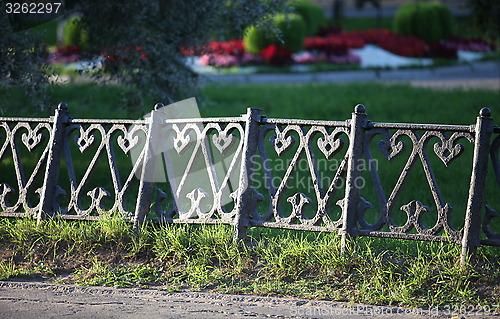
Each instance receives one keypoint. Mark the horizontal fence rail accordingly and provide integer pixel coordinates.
(424, 182)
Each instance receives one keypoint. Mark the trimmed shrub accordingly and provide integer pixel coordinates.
(446, 18)
(292, 33)
(255, 40)
(74, 34)
(313, 15)
(430, 21)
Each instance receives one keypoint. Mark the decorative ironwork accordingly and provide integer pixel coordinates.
(217, 149)
(21, 135)
(245, 171)
(316, 140)
(391, 146)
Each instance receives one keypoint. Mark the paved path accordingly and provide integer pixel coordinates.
(31, 300)
(485, 75)
(474, 75)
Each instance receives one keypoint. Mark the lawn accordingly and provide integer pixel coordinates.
(286, 263)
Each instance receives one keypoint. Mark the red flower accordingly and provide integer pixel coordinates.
(338, 45)
(409, 46)
(123, 54)
(68, 50)
(232, 47)
(276, 55)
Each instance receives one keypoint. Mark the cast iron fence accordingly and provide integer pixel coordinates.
(256, 171)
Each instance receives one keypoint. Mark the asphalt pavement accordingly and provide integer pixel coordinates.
(484, 75)
(35, 300)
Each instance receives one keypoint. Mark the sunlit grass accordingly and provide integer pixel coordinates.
(286, 263)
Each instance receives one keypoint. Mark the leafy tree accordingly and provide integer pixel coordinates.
(141, 40)
(22, 61)
(486, 15)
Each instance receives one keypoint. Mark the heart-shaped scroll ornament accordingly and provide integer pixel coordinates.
(281, 143)
(392, 149)
(447, 152)
(84, 140)
(181, 140)
(31, 139)
(127, 142)
(223, 141)
(328, 145)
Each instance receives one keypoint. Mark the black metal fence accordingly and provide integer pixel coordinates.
(347, 176)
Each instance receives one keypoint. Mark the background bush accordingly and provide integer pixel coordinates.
(289, 31)
(429, 21)
(74, 33)
(313, 15)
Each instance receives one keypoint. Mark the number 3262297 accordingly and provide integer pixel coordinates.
(32, 8)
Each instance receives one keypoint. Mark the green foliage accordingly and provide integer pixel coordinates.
(289, 30)
(23, 63)
(144, 37)
(486, 16)
(430, 21)
(293, 31)
(313, 15)
(255, 39)
(74, 33)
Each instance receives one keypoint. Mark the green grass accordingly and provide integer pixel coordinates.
(289, 263)
(308, 265)
(384, 103)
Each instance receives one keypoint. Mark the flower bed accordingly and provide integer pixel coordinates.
(330, 46)
(329, 50)
(66, 54)
(407, 46)
(334, 48)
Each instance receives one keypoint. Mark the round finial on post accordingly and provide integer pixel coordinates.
(62, 106)
(158, 106)
(485, 112)
(360, 109)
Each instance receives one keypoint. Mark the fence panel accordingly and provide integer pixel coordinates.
(201, 159)
(354, 177)
(417, 157)
(298, 174)
(100, 166)
(24, 149)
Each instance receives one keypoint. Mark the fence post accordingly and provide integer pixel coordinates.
(145, 191)
(351, 199)
(48, 193)
(472, 226)
(244, 204)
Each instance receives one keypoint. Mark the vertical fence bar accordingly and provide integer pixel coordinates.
(48, 194)
(351, 199)
(245, 204)
(145, 191)
(470, 239)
